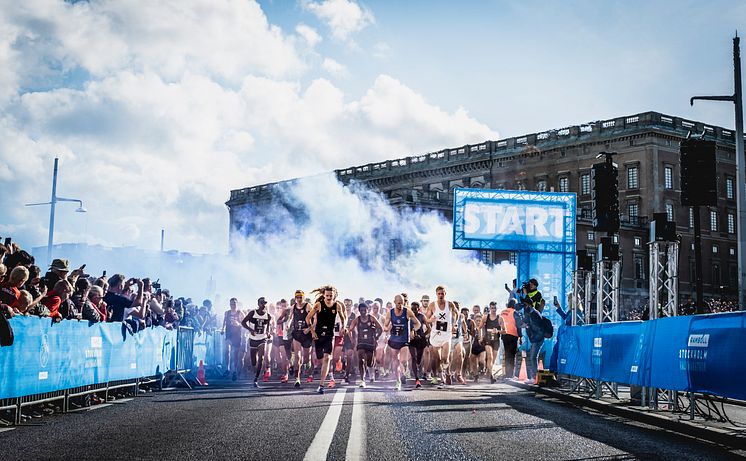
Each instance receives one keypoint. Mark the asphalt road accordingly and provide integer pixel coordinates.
(277, 422)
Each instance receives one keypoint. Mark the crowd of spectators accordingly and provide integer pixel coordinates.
(64, 294)
(712, 306)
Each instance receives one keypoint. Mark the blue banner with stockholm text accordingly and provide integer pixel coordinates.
(699, 353)
(49, 356)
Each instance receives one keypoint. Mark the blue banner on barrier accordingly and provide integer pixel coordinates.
(50, 356)
(698, 353)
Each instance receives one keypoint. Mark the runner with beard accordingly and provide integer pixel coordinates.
(302, 338)
(283, 341)
(348, 349)
(258, 323)
(366, 331)
(492, 329)
(441, 315)
(325, 312)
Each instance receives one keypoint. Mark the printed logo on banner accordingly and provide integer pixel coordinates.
(699, 340)
(94, 355)
(44, 352)
(596, 353)
(694, 357)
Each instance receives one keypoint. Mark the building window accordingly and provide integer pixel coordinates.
(591, 236)
(715, 274)
(638, 241)
(715, 249)
(632, 209)
(732, 251)
(691, 218)
(564, 184)
(585, 213)
(639, 268)
(729, 192)
(669, 211)
(668, 177)
(615, 238)
(585, 184)
(713, 220)
(731, 223)
(632, 179)
(541, 185)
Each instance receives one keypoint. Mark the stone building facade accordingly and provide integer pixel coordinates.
(647, 147)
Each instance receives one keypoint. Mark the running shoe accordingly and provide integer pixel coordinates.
(347, 379)
(417, 384)
(460, 379)
(320, 390)
(331, 384)
(297, 383)
(267, 374)
(309, 379)
(255, 383)
(434, 381)
(397, 386)
(284, 379)
(362, 384)
(492, 379)
(449, 380)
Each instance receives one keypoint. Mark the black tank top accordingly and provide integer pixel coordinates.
(490, 324)
(366, 333)
(299, 318)
(325, 319)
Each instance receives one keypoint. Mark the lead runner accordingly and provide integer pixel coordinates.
(325, 312)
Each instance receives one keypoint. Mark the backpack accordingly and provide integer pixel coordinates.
(546, 325)
(6, 332)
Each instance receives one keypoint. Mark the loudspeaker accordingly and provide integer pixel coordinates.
(698, 176)
(661, 229)
(585, 260)
(607, 251)
(605, 195)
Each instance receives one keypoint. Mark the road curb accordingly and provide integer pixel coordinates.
(731, 438)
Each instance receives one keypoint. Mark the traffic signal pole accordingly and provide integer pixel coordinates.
(737, 99)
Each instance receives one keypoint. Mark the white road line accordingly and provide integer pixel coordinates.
(356, 442)
(319, 448)
(6, 429)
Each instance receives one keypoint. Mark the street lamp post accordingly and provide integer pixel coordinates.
(53, 203)
(736, 98)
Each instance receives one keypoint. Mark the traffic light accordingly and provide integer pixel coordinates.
(698, 178)
(605, 194)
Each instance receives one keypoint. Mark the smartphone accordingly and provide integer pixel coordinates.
(7, 241)
(555, 300)
(104, 274)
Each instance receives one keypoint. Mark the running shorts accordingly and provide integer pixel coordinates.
(254, 343)
(495, 345)
(396, 344)
(305, 340)
(477, 348)
(323, 346)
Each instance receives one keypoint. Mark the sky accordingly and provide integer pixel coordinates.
(158, 109)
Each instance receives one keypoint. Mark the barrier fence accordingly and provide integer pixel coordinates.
(698, 354)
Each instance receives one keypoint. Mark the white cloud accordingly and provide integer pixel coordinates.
(343, 17)
(156, 137)
(334, 68)
(381, 50)
(309, 34)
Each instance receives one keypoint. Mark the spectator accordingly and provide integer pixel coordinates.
(18, 258)
(58, 270)
(535, 328)
(54, 299)
(118, 297)
(94, 309)
(170, 318)
(10, 291)
(73, 308)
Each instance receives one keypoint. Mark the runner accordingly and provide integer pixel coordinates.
(478, 352)
(398, 324)
(366, 330)
(427, 355)
(302, 338)
(441, 314)
(232, 331)
(510, 327)
(325, 311)
(381, 362)
(258, 323)
(418, 343)
(339, 337)
(457, 348)
(348, 350)
(491, 323)
(283, 342)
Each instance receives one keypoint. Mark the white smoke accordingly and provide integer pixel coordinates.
(341, 235)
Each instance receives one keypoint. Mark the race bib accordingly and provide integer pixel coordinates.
(441, 326)
(398, 330)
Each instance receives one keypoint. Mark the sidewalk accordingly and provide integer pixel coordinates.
(716, 429)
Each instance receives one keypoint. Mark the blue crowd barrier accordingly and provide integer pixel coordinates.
(698, 353)
(48, 357)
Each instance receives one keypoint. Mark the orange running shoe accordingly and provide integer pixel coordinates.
(284, 378)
